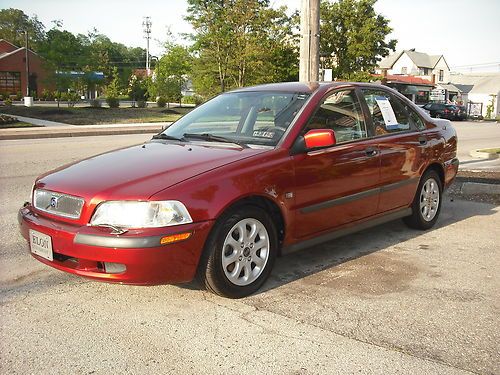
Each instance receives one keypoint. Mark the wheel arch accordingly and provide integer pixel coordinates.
(265, 203)
(438, 168)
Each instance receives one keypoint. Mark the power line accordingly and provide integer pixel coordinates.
(470, 65)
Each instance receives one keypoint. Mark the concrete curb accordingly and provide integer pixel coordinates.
(81, 131)
(483, 155)
(480, 188)
(76, 133)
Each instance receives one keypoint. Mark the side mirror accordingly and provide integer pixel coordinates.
(317, 138)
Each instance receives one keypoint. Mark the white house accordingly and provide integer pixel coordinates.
(479, 88)
(410, 62)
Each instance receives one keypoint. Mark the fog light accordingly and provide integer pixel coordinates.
(174, 238)
(114, 267)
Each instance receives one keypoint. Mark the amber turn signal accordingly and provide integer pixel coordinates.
(174, 238)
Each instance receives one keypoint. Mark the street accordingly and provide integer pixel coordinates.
(388, 300)
(474, 135)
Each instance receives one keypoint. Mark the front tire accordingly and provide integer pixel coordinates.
(427, 202)
(239, 253)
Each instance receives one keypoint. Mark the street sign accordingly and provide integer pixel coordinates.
(437, 95)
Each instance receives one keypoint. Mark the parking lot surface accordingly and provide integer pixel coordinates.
(387, 300)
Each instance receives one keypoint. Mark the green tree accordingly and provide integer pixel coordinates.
(171, 72)
(113, 88)
(63, 50)
(238, 43)
(62, 54)
(137, 88)
(354, 35)
(14, 21)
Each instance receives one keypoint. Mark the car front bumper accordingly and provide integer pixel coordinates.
(136, 257)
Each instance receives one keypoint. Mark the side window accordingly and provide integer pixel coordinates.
(342, 113)
(388, 113)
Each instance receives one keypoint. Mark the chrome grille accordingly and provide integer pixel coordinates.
(58, 204)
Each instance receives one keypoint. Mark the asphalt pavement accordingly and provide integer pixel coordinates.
(474, 135)
(389, 300)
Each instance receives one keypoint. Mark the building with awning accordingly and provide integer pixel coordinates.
(92, 81)
(479, 90)
(451, 93)
(417, 89)
(418, 64)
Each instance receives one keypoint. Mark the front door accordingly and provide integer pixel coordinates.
(339, 184)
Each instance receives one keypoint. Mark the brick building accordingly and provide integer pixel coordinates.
(13, 70)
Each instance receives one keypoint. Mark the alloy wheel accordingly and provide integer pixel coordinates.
(245, 251)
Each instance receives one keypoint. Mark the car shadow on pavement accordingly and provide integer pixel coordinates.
(310, 261)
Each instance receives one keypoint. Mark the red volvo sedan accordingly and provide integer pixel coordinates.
(251, 174)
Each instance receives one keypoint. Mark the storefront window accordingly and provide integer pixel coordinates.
(10, 83)
(422, 97)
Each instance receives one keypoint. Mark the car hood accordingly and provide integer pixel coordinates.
(138, 172)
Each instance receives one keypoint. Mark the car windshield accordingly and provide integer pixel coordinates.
(245, 118)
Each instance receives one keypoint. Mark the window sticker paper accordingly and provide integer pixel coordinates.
(387, 113)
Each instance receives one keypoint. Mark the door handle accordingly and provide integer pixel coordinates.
(422, 140)
(371, 151)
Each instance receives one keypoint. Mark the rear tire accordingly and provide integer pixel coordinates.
(239, 254)
(427, 202)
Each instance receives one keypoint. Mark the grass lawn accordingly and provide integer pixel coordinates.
(95, 116)
(491, 150)
(18, 124)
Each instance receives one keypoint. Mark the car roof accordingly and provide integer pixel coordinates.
(306, 87)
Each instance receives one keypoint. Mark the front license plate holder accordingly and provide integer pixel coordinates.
(41, 245)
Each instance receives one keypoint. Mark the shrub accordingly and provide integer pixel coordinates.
(47, 95)
(73, 98)
(63, 97)
(161, 102)
(141, 104)
(19, 95)
(4, 119)
(113, 102)
(7, 102)
(192, 99)
(95, 103)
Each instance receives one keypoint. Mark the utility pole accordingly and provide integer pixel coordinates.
(146, 24)
(309, 41)
(28, 100)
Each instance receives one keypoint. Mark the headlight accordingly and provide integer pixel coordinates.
(134, 214)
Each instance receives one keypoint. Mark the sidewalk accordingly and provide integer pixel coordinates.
(56, 129)
(37, 121)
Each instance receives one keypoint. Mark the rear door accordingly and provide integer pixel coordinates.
(400, 141)
(339, 184)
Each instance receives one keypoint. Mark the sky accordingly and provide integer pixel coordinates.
(466, 32)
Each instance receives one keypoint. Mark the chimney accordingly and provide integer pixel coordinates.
(383, 81)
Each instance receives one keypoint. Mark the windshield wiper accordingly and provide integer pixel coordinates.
(168, 137)
(213, 138)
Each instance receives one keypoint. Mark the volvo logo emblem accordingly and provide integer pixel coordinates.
(54, 201)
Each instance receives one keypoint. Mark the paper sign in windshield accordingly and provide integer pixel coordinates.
(387, 113)
(263, 134)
